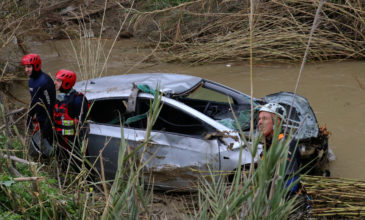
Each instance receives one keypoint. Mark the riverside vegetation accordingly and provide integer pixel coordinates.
(192, 32)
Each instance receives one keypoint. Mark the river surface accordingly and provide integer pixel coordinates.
(335, 90)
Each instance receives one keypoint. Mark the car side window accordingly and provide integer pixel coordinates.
(108, 111)
(172, 119)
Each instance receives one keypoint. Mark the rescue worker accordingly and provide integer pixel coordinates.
(43, 97)
(69, 114)
(270, 118)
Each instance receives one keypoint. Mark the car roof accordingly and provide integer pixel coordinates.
(121, 85)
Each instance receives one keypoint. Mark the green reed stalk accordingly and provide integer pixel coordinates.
(128, 194)
(250, 197)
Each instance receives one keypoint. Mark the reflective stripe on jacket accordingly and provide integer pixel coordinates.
(64, 124)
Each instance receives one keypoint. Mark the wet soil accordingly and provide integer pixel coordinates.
(335, 90)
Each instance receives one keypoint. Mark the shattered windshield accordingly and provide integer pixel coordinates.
(209, 95)
(221, 107)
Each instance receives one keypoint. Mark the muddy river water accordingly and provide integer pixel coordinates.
(335, 90)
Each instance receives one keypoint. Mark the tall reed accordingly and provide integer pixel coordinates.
(128, 193)
(89, 52)
(217, 34)
(257, 193)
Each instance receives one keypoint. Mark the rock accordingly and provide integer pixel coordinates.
(125, 34)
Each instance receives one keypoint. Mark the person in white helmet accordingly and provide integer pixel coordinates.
(271, 117)
(268, 115)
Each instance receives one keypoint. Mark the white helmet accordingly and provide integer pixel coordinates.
(275, 108)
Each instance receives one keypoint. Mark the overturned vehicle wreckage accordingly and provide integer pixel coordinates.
(184, 141)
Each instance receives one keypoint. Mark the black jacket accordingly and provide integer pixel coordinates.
(43, 97)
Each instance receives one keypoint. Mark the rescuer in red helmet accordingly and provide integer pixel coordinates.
(43, 97)
(70, 113)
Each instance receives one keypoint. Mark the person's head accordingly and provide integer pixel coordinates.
(267, 116)
(65, 80)
(32, 63)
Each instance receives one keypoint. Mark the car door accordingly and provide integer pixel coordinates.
(104, 139)
(177, 153)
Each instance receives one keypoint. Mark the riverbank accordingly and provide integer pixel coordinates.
(194, 32)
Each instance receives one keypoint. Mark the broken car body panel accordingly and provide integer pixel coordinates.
(302, 118)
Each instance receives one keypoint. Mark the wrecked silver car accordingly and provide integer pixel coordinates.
(195, 130)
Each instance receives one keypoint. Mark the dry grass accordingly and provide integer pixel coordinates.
(202, 32)
(335, 197)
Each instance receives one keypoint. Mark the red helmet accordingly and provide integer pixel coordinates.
(68, 78)
(32, 59)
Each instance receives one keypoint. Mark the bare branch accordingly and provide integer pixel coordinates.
(17, 159)
(34, 178)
